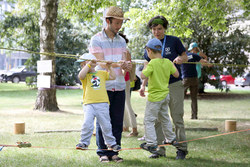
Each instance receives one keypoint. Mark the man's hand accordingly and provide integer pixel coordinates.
(204, 62)
(126, 65)
(123, 64)
(129, 66)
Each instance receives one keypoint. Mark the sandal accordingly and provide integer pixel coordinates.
(104, 159)
(125, 129)
(133, 134)
(116, 158)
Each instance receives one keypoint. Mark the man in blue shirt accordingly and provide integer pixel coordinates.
(190, 77)
(190, 80)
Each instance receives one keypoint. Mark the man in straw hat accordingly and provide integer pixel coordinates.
(109, 45)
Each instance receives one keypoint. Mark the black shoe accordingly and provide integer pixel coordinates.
(156, 155)
(81, 146)
(149, 148)
(180, 154)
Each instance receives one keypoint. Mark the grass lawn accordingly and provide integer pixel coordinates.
(17, 102)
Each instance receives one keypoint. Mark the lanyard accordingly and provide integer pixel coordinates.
(163, 47)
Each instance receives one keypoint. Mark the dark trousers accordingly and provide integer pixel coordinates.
(116, 111)
(192, 84)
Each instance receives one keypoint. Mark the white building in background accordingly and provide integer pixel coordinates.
(9, 59)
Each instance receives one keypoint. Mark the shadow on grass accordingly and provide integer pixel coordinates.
(223, 119)
(223, 96)
(67, 112)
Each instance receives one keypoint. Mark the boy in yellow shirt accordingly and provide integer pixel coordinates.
(95, 102)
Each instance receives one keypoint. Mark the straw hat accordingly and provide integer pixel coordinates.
(115, 12)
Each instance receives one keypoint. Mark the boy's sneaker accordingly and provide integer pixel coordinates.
(152, 149)
(181, 154)
(115, 148)
(173, 142)
(81, 146)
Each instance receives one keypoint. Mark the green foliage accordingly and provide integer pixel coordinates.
(21, 30)
(179, 14)
(246, 7)
(230, 49)
(125, 4)
(85, 9)
(214, 13)
(31, 81)
(69, 40)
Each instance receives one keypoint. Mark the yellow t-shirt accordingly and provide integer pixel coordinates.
(94, 87)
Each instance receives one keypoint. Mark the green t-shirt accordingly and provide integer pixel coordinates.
(158, 72)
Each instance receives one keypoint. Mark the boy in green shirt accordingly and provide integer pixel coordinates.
(158, 72)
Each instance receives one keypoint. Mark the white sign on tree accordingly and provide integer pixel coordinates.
(44, 66)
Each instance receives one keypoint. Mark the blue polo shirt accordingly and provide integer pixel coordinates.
(189, 70)
(173, 49)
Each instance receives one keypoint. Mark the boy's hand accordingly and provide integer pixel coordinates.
(108, 64)
(142, 91)
(93, 61)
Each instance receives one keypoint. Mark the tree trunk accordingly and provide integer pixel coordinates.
(46, 97)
